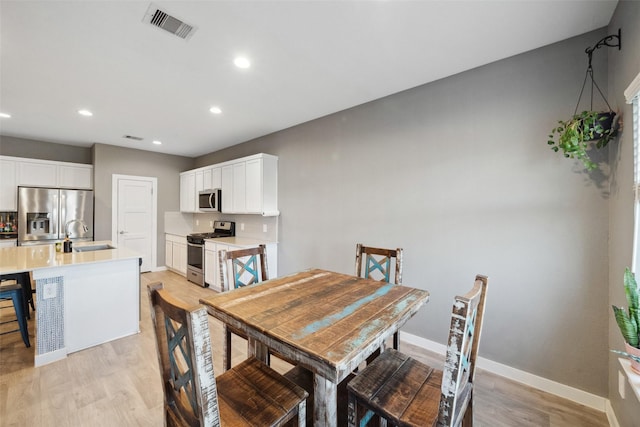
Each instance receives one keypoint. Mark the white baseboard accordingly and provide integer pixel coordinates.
(160, 268)
(611, 415)
(576, 395)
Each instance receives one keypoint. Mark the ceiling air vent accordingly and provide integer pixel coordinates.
(161, 19)
(135, 138)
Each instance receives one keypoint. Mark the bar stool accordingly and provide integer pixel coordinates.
(13, 292)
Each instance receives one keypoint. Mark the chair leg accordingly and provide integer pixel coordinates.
(467, 420)
(18, 304)
(226, 354)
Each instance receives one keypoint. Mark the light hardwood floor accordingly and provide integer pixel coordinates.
(118, 384)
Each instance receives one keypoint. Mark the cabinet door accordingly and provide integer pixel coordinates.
(168, 254)
(180, 257)
(187, 192)
(254, 186)
(210, 262)
(38, 174)
(75, 176)
(8, 186)
(199, 182)
(206, 178)
(226, 180)
(216, 177)
(239, 187)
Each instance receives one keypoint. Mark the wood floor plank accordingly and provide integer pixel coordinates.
(118, 383)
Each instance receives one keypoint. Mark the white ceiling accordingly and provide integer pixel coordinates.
(309, 59)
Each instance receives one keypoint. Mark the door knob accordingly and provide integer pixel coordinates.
(123, 232)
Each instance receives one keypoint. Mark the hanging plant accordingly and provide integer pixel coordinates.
(576, 136)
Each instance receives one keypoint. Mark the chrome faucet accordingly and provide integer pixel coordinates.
(81, 222)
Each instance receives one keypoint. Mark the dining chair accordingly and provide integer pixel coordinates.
(14, 292)
(406, 392)
(239, 268)
(249, 394)
(375, 263)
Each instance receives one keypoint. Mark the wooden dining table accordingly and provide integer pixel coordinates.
(327, 322)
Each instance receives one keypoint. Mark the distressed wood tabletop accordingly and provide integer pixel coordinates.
(328, 322)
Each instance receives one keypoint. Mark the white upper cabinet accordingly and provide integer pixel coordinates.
(249, 185)
(75, 176)
(226, 184)
(216, 177)
(239, 189)
(188, 191)
(37, 174)
(212, 177)
(16, 171)
(8, 193)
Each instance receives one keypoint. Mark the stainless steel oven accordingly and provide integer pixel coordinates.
(195, 249)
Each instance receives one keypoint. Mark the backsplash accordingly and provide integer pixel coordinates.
(251, 226)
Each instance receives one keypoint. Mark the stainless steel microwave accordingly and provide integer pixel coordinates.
(210, 200)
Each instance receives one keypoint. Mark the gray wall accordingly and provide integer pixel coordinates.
(458, 173)
(109, 160)
(623, 68)
(28, 148)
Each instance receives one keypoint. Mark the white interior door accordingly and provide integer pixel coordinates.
(135, 216)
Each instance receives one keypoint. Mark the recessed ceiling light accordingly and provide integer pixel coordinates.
(157, 142)
(5, 115)
(215, 110)
(86, 113)
(242, 62)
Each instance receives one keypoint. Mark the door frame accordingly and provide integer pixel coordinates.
(154, 212)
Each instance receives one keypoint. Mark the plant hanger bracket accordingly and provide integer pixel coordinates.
(613, 40)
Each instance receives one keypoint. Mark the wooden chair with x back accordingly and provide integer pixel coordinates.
(375, 263)
(243, 267)
(406, 392)
(250, 394)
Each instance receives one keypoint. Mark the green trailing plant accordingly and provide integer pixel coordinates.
(575, 136)
(629, 322)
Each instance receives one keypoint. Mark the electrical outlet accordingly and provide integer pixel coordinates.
(242, 226)
(49, 290)
(621, 383)
(210, 223)
(197, 222)
(264, 228)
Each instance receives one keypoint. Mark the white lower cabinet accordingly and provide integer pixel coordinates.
(212, 267)
(175, 255)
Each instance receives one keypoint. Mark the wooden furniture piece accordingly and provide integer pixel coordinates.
(238, 269)
(326, 322)
(377, 263)
(14, 292)
(406, 392)
(250, 394)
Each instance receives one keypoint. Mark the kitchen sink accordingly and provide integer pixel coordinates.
(101, 247)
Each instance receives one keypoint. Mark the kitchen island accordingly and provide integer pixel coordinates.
(83, 299)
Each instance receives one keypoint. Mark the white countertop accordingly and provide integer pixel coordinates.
(28, 258)
(239, 241)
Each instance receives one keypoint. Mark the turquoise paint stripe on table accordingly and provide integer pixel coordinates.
(347, 311)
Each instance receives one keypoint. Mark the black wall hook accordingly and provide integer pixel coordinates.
(614, 40)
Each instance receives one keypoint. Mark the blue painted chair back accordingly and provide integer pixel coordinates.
(375, 263)
(243, 267)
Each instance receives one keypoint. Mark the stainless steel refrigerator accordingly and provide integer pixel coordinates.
(48, 215)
